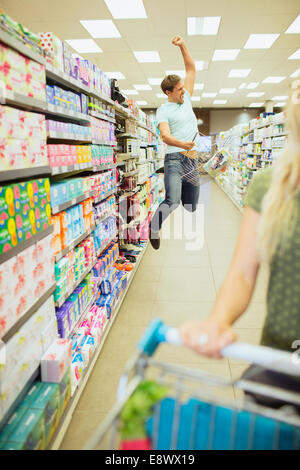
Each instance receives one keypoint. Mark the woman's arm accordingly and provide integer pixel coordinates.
(168, 139)
(234, 295)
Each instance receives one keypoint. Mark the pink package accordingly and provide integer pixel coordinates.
(56, 361)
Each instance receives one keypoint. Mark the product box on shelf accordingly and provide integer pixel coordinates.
(29, 434)
(52, 44)
(56, 361)
(8, 232)
(64, 392)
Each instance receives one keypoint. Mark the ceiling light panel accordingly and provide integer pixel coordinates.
(155, 81)
(237, 73)
(225, 54)
(180, 73)
(227, 91)
(220, 101)
(126, 9)
(84, 46)
(198, 86)
(147, 56)
(279, 98)
(130, 92)
(279, 105)
(143, 87)
(295, 56)
(195, 98)
(252, 85)
(295, 74)
(161, 95)
(261, 41)
(101, 28)
(256, 105)
(206, 26)
(116, 75)
(201, 65)
(273, 79)
(242, 85)
(256, 94)
(294, 28)
(209, 95)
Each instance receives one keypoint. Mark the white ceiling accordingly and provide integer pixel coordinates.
(166, 18)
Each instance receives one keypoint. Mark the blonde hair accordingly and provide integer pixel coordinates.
(280, 206)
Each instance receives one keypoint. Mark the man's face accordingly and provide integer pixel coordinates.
(177, 95)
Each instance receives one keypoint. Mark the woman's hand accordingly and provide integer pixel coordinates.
(212, 335)
(178, 41)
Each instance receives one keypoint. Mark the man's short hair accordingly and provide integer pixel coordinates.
(169, 82)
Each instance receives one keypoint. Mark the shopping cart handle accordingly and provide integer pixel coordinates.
(269, 358)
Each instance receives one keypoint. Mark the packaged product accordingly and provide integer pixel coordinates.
(56, 361)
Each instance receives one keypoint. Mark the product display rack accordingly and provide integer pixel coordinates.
(63, 114)
(246, 161)
(67, 417)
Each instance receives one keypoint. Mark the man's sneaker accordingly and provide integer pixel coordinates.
(154, 240)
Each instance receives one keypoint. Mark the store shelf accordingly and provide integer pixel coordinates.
(103, 197)
(109, 166)
(66, 113)
(71, 202)
(103, 142)
(62, 300)
(230, 196)
(22, 101)
(142, 162)
(60, 170)
(65, 136)
(19, 46)
(127, 136)
(67, 416)
(105, 245)
(104, 117)
(74, 243)
(130, 173)
(24, 173)
(83, 315)
(25, 244)
(31, 311)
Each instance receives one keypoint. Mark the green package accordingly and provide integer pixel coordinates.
(8, 229)
(47, 401)
(30, 432)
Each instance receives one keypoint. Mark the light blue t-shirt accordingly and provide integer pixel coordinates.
(181, 119)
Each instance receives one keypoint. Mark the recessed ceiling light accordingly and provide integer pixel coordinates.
(225, 54)
(161, 95)
(101, 28)
(141, 103)
(294, 28)
(195, 98)
(155, 81)
(295, 56)
(227, 91)
(260, 41)
(180, 73)
(126, 9)
(116, 75)
(143, 87)
(201, 65)
(220, 101)
(279, 105)
(207, 25)
(295, 74)
(236, 73)
(255, 94)
(242, 85)
(251, 85)
(273, 79)
(209, 95)
(198, 86)
(130, 92)
(147, 56)
(279, 98)
(84, 46)
(255, 105)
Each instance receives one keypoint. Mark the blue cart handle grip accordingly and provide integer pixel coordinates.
(268, 358)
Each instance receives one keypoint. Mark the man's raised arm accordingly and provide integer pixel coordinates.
(189, 64)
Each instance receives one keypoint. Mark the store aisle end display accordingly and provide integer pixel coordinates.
(252, 146)
(78, 190)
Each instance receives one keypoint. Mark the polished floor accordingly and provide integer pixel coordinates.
(177, 283)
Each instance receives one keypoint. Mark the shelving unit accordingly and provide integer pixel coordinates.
(72, 202)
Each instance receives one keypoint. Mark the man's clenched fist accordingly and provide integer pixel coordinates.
(178, 41)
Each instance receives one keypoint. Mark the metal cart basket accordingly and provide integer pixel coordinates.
(197, 415)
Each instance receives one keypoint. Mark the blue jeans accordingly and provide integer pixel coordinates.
(182, 183)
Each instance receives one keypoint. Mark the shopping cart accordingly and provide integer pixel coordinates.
(196, 415)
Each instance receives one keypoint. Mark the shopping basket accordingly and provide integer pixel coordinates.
(195, 415)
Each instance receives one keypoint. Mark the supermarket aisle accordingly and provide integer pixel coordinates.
(175, 285)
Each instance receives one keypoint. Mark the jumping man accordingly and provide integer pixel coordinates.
(178, 128)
